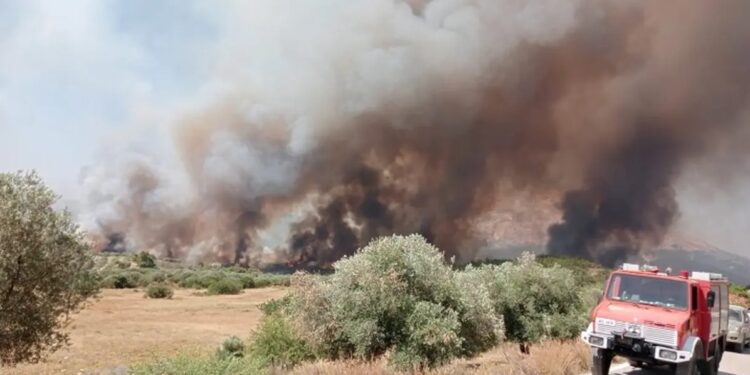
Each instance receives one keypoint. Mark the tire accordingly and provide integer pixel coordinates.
(709, 367)
(601, 361)
(690, 368)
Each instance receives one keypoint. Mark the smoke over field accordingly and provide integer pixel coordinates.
(328, 124)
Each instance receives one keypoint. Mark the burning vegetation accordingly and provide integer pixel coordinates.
(420, 116)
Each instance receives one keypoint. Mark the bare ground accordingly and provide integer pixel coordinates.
(122, 327)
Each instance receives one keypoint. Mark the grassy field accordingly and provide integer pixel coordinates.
(123, 327)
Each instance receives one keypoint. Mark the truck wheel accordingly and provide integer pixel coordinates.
(691, 368)
(710, 367)
(602, 359)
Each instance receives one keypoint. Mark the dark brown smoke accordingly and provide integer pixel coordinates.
(689, 96)
(609, 107)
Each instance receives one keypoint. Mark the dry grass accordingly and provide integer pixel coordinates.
(549, 358)
(123, 327)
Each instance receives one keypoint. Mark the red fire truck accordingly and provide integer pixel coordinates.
(653, 318)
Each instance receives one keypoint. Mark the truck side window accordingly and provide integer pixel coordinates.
(694, 297)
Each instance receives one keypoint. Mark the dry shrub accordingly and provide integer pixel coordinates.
(379, 367)
(547, 358)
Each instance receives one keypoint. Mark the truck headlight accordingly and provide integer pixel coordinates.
(596, 340)
(668, 354)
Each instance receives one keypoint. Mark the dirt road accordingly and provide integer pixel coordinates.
(732, 364)
(122, 328)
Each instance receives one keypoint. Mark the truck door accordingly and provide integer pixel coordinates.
(724, 308)
(716, 313)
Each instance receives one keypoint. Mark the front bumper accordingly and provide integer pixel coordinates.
(658, 354)
(597, 340)
(733, 337)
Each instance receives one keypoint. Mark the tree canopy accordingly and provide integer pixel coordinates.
(46, 269)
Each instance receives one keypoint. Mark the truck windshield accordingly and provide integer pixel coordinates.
(735, 315)
(649, 290)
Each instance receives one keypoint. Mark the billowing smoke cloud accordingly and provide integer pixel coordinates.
(347, 122)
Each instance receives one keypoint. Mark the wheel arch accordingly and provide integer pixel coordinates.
(693, 343)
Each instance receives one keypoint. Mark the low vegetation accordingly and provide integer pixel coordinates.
(199, 364)
(159, 290)
(232, 347)
(225, 286)
(397, 302)
(142, 269)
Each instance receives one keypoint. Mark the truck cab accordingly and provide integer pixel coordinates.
(654, 318)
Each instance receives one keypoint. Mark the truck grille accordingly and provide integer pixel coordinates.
(652, 334)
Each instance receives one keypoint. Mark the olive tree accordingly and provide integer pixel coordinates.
(397, 295)
(46, 269)
(536, 302)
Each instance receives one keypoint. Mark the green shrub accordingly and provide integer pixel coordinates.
(275, 306)
(225, 286)
(122, 280)
(535, 301)
(144, 260)
(276, 344)
(265, 280)
(396, 294)
(231, 347)
(159, 290)
(155, 277)
(247, 280)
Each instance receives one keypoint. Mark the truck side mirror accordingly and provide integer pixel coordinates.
(711, 298)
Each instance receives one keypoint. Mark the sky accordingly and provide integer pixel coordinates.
(80, 79)
(77, 75)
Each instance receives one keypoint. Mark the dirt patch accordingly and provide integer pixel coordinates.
(122, 327)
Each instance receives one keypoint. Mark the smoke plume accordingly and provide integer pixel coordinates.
(382, 117)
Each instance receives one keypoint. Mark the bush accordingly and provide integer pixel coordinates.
(231, 347)
(202, 279)
(144, 260)
(155, 277)
(123, 280)
(397, 294)
(159, 290)
(225, 286)
(275, 306)
(46, 269)
(265, 280)
(535, 301)
(248, 282)
(276, 344)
